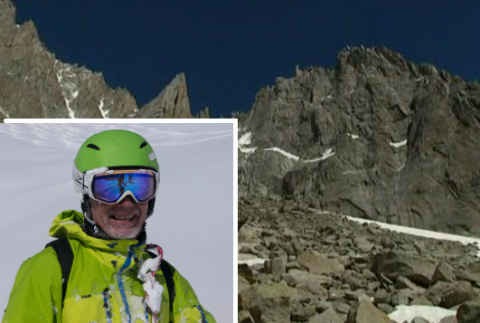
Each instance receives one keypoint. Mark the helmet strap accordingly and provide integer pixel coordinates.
(151, 205)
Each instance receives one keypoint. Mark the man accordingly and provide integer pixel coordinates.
(115, 276)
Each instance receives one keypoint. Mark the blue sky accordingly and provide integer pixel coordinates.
(231, 49)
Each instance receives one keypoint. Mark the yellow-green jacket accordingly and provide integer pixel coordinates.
(98, 264)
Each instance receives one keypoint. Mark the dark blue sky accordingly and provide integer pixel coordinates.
(231, 49)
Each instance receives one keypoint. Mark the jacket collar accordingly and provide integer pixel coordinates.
(69, 224)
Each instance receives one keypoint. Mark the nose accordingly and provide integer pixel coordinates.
(127, 201)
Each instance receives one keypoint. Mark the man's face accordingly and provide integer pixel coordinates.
(122, 220)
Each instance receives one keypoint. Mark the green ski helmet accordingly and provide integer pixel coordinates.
(111, 149)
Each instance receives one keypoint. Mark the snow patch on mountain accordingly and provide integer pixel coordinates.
(398, 144)
(102, 111)
(283, 152)
(244, 141)
(327, 154)
(66, 80)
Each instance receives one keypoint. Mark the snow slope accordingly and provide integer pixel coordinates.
(193, 218)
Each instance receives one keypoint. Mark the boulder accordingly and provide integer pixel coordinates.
(319, 264)
(469, 312)
(457, 294)
(395, 264)
(271, 303)
(363, 311)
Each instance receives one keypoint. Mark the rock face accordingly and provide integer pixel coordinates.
(376, 137)
(317, 269)
(172, 101)
(34, 84)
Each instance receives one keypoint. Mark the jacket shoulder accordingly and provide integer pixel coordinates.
(43, 263)
(38, 287)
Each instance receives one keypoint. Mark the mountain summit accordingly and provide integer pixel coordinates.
(376, 137)
(34, 84)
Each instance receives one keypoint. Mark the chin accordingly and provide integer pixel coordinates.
(122, 234)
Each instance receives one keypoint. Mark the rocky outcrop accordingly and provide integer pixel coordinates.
(376, 137)
(35, 84)
(321, 267)
(172, 102)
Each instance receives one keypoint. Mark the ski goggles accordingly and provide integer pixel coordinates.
(112, 186)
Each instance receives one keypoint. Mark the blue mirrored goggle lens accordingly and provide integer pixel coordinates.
(110, 187)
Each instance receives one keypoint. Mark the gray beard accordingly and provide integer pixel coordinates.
(128, 235)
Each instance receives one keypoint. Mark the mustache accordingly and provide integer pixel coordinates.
(120, 209)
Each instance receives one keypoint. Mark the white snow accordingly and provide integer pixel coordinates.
(398, 144)
(328, 153)
(66, 81)
(422, 233)
(196, 162)
(283, 152)
(250, 260)
(244, 141)
(432, 314)
(151, 286)
(146, 266)
(154, 294)
(103, 112)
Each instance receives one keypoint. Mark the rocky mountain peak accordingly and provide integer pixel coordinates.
(36, 84)
(173, 101)
(375, 137)
(374, 56)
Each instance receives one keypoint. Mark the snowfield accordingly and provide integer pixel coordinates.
(193, 218)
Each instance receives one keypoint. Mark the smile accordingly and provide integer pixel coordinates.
(122, 216)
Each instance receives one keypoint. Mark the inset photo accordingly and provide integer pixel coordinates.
(118, 222)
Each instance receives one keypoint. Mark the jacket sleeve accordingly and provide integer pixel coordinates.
(186, 307)
(36, 295)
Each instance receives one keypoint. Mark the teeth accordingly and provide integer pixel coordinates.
(123, 217)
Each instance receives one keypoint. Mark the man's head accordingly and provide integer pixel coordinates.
(116, 175)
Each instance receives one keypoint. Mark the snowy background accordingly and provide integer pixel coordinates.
(193, 218)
